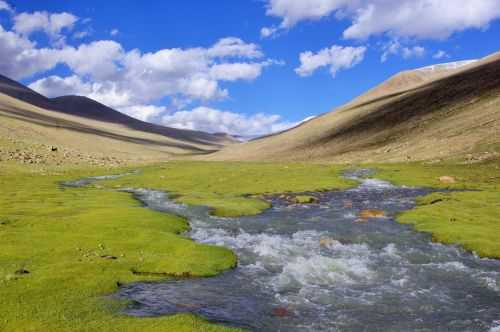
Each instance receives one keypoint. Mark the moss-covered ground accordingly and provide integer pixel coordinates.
(470, 218)
(232, 188)
(63, 250)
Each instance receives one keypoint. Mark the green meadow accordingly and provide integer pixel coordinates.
(63, 250)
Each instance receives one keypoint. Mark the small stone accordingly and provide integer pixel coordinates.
(327, 241)
(347, 204)
(22, 271)
(367, 214)
(282, 312)
(305, 199)
(447, 179)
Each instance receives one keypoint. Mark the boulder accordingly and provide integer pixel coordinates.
(447, 179)
(327, 241)
(305, 199)
(372, 213)
(282, 312)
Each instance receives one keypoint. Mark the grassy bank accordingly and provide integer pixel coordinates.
(232, 188)
(470, 218)
(62, 250)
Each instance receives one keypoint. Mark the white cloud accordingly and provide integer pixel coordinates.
(5, 6)
(20, 58)
(81, 34)
(120, 78)
(236, 71)
(133, 81)
(394, 47)
(434, 19)
(149, 113)
(98, 59)
(51, 24)
(294, 11)
(213, 120)
(114, 32)
(267, 32)
(440, 55)
(415, 51)
(54, 86)
(336, 57)
(234, 47)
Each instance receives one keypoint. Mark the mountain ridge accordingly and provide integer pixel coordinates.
(410, 116)
(82, 130)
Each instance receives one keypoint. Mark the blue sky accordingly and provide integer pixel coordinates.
(209, 65)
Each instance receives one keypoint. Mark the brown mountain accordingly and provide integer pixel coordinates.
(80, 124)
(437, 112)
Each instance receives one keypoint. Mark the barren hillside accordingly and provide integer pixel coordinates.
(425, 114)
(81, 130)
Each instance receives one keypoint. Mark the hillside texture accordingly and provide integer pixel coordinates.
(417, 115)
(78, 130)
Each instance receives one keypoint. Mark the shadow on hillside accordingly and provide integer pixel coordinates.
(440, 98)
(52, 122)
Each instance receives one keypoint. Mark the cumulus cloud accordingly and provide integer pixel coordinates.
(20, 58)
(335, 57)
(441, 55)
(234, 47)
(293, 11)
(434, 19)
(114, 32)
(213, 121)
(236, 71)
(134, 82)
(267, 32)
(51, 24)
(394, 47)
(149, 113)
(122, 78)
(81, 34)
(5, 6)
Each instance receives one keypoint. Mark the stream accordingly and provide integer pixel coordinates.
(318, 267)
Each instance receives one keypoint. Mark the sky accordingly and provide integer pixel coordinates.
(244, 67)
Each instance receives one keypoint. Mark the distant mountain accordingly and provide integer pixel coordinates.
(91, 109)
(83, 127)
(436, 112)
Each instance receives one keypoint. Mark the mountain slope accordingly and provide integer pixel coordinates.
(416, 115)
(85, 130)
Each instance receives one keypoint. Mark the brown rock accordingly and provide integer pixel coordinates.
(347, 204)
(447, 179)
(109, 257)
(327, 241)
(367, 214)
(282, 312)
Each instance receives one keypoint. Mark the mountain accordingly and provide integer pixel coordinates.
(82, 126)
(438, 112)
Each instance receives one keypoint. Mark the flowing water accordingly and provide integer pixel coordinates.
(319, 268)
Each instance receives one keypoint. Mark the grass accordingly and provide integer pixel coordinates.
(230, 188)
(470, 218)
(305, 199)
(59, 236)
